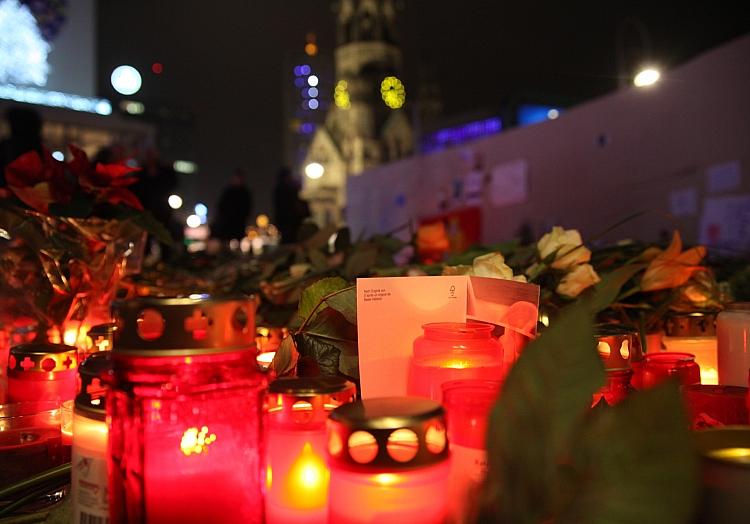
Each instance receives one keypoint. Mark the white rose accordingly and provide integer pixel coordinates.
(580, 278)
(567, 246)
(492, 265)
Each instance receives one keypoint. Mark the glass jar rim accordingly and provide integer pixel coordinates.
(669, 357)
(458, 330)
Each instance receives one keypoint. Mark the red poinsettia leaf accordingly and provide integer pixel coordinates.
(79, 165)
(120, 195)
(25, 171)
(116, 174)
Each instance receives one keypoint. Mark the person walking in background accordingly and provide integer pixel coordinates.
(233, 210)
(25, 135)
(289, 209)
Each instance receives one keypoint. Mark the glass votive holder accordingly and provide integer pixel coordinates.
(66, 422)
(725, 475)
(453, 351)
(715, 406)
(694, 333)
(389, 462)
(297, 475)
(184, 374)
(30, 440)
(616, 389)
(658, 367)
(467, 404)
(733, 335)
(42, 372)
(89, 477)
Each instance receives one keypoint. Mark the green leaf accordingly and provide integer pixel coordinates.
(349, 366)
(325, 354)
(285, 358)
(635, 463)
(345, 302)
(331, 326)
(606, 291)
(545, 397)
(314, 294)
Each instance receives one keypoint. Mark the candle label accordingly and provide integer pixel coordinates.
(469, 463)
(89, 484)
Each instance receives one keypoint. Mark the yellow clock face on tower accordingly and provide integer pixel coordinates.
(393, 92)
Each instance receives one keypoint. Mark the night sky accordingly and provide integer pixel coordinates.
(224, 65)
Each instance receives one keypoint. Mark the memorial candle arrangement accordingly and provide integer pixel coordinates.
(90, 437)
(695, 333)
(297, 475)
(42, 372)
(389, 462)
(619, 348)
(185, 407)
(453, 351)
(733, 334)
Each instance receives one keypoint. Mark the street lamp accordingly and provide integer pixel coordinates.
(314, 170)
(646, 77)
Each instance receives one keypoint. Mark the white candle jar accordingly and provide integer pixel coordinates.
(733, 333)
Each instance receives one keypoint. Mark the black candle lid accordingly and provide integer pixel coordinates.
(26, 359)
(99, 334)
(615, 354)
(389, 433)
(192, 325)
(91, 399)
(310, 386)
(692, 324)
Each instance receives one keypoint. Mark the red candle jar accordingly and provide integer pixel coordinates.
(714, 406)
(99, 338)
(185, 411)
(467, 404)
(389, 462)
(453, 351)
(657, 367)
(297, 475)
(42, 372)
(90, 440)
(619, 348)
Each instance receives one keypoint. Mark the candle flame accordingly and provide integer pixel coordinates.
(306, 485)
(386, 479)
(196, 441)
(456, 364)
(738, 455)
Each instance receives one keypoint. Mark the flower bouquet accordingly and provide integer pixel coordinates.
(67, 229)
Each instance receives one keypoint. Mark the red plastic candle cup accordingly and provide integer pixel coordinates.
(89, 478)
(30, 440)
(453, 351)
(467, 405)
(297, 475)
(389, 462)
(42, 372)
(715, 406)
(185, 406)
(658, 367)
(618, 346)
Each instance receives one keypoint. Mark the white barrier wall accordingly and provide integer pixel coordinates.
(679, 149)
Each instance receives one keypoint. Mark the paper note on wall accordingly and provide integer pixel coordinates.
(721, 178)
(726, 222)
(509, 183)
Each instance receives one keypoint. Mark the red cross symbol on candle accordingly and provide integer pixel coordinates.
(197, 324)
(95, 389)
(27, 364)
(68, 362)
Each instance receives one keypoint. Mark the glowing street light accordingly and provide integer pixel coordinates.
(646, 77)
(175, 201)
(126, 80)
(193, 221)
(314, 170)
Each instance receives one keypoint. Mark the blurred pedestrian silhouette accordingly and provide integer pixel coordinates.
(289, 209)
(233, 210)
(25, 135)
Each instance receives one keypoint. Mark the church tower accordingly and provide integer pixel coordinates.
(367, 124)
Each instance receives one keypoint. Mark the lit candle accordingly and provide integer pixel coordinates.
(453, 351)
(297, 475)
(185, 375)
(658, 367)
(98, 338)
(264, 360)
(90, 440)
(695, 333)
(389, 462)
(42, 372)
(725, 474)
(467, 404)
(618, 347)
